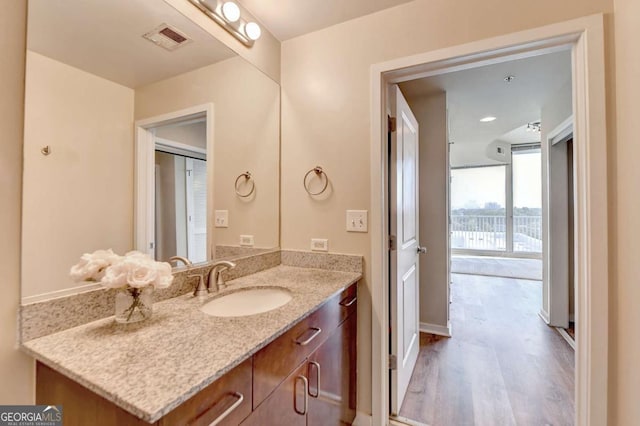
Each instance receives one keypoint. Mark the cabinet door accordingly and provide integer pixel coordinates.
(332, 378)
(287, 405)
(275, 361)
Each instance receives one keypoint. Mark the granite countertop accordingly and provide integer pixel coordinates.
(152, 367)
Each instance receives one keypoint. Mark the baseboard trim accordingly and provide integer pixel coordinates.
(403, 421)
(544, 315)
(566, 337)
(362, 419)
(439, 330)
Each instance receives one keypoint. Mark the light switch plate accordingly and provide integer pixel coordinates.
(357, 221)
(319, 244)
(246, 240)
(221, 218)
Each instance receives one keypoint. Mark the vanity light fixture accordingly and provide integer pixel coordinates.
(230, 11)
(252, 30)
(487, 119)
(227, 14)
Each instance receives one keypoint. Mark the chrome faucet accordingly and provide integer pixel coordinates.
(177, 259)
(215, 275)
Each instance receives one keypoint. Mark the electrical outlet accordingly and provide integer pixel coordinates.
(357, 221)
(221, 218)
(246, 240)
(319, 244)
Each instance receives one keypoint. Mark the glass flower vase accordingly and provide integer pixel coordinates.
(134, 304)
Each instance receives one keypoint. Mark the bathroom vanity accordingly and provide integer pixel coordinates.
(293, 365)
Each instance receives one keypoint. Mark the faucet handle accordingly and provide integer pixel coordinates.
(215, 274)
(200, 289)
(219, 279)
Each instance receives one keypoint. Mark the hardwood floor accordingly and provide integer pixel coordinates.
(503, 365)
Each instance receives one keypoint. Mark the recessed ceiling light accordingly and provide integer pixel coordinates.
(487, 119)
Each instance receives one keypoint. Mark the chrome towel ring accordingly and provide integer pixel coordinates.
(319, 174)
(247, 178)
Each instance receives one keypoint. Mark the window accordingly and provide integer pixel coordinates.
(527, 200)
(478, 214)
(489, 215)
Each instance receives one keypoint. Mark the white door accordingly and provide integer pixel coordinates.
(403, 258)
(196, 202)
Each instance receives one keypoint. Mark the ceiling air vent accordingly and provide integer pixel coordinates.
(167, 37)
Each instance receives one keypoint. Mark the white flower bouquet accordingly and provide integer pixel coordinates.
(135, 274)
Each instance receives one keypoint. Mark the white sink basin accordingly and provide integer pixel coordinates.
(247, 302)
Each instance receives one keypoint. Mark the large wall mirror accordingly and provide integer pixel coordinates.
(142, 131)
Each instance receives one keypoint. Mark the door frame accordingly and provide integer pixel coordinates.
(555, 260)
(585, 37)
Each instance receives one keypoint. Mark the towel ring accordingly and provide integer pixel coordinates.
(247, 176)
(319, 173)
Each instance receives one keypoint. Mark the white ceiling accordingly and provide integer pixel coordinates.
(480, 92)
(286, 19)
(104, 37)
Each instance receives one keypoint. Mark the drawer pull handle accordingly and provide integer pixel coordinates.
(228, 411)
(305, 384)
(315, 334)
(317, 366)
(350, 302)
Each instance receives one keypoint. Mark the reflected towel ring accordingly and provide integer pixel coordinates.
(247, 176)
(319, 173)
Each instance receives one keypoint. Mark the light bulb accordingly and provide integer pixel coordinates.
(230, 11)
(487, 119)
(252, 30)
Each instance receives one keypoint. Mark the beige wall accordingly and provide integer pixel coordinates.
(625, 227)
(325, 111)
(190, 134)
(431, 113)
(16, 369)
(264, 54)
(79, 198)
(246, 137)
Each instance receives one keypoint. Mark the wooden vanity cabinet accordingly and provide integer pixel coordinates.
(231, 393)
(327, 374)
(307, 376)
(287, 405)
(275, 361)
(331, 371)
(83, 407)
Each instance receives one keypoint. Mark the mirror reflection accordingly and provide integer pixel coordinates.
(100, 77)
(181, 191)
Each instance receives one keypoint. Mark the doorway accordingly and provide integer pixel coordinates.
(496, 228)
(584, 40)
(174, 184)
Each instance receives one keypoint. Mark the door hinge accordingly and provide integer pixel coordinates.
(393, 362)
(392, 242)
(391, 123)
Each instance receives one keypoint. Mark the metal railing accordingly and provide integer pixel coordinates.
(489, 233)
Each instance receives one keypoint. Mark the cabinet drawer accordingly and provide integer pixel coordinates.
(275, 361)
(229, 396)
(287, 405)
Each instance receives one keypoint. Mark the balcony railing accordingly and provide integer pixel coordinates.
(489, 233)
